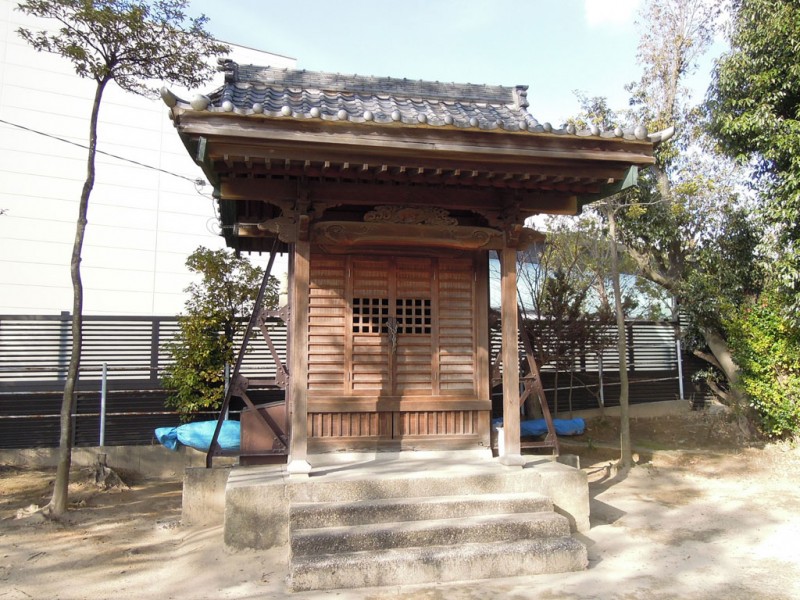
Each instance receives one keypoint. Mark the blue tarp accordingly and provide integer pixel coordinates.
(198, 435)
(536, 427)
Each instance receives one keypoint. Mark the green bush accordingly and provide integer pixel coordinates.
(200, 351)
(767, 349)
(216, 309)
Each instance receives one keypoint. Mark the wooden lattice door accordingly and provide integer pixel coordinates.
(391, 332)
(393, 347)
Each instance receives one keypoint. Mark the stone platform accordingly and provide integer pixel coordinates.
(383, 519)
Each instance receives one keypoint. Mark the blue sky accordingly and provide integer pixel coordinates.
(555, 46)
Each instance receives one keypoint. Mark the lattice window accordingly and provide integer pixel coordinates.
(370, 315)
(413, 316)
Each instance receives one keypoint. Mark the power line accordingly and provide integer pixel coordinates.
(197, 182)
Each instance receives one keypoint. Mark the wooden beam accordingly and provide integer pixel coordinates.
(416, 141)
(298, 366)
(511, 449)
(360, 194)
(418, 163)
(483, 343)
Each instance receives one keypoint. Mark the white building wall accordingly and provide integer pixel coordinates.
(142, 223)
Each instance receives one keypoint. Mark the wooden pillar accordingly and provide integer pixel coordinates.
(511, 452)
(298, 360)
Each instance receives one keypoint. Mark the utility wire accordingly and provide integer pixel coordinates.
(197, 181)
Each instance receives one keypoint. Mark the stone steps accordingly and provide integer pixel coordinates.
(308, 515)
(428, 564)
(394, 541)
(430, 532)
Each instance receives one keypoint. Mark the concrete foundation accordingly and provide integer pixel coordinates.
(154, 461)
(204, 495)
(257, 499)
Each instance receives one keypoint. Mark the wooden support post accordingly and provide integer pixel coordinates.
(298, 361)
(511, 454)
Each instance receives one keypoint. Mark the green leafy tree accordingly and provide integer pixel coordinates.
(214, 316)
(132, 43)
(685, 219)
(688, 207)
(754, 110)
(767, 350)
(555, 282)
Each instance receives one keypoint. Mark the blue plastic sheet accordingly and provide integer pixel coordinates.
(198, 435)
(537, 427)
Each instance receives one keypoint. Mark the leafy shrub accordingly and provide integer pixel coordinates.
(215, 312)
(767, 349)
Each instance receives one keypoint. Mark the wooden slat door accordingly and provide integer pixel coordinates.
(370, 308)
(393, 351)
(414, 354)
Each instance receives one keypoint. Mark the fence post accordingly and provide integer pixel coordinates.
(631, 351)
(680, 368)
(600, 374)
(155, 331)
(64, 340)
(103, 398)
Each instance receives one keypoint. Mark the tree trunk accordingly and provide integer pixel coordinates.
(725, 363)
(58, 502)
(626, 455)
(721, 356)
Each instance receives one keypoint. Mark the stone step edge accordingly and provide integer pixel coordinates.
(300, 511)
(399, 534)
(437, 564)
(412, 485)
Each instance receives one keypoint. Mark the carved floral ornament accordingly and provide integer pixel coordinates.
(411, 215)
(396, 226)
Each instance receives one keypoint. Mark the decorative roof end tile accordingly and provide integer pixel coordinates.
(200, 102)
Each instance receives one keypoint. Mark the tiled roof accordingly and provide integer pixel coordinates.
(300, 94)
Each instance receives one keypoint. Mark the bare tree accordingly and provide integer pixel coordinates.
(133, 43)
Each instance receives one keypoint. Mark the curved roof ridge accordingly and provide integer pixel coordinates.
(397, 87)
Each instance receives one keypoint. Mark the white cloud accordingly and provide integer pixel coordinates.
(610, 13)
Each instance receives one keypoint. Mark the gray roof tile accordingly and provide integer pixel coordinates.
(300, 94)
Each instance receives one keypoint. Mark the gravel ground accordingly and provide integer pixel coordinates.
(697, 523)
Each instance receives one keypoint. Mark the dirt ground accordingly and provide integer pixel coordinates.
(703, 515)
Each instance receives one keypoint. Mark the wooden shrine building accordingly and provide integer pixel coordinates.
(388, 195)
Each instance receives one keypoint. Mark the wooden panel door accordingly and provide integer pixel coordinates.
(411, 341)
(369, 345)
(392, 327)
(393, 347)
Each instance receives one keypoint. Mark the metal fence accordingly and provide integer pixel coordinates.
(658, 370)
(34, 354)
